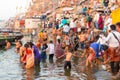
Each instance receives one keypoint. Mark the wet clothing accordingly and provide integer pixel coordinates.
(43, 53)
(51, 58)
(82, 44)
(58, 50)
(97, 48)
(114, 60)
(115, 66)
(67, 64)
(29, 58)
(51, 52)
(37, 55)
(76, 43)
(38, 45)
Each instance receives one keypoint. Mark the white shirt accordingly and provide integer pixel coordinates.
(51, 49)
(96, 17)
(66, 28)
(78, 29)
(58, 37)
(82, 22)
(72, 24)
(102, 39)
(108, 22)
(112, 41)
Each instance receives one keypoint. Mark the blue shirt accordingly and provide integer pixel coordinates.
(97, 48)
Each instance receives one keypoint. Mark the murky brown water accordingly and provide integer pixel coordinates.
(11, 69)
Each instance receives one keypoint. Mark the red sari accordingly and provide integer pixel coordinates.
(29, 58)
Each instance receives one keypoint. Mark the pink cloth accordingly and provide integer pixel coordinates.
(58, 50)
(91, 57)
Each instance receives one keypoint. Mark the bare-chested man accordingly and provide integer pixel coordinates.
(7, 44)
(82, 38)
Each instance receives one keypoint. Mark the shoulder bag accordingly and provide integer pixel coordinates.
(117, 50)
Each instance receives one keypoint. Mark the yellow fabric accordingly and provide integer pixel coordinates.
(41, 35)
(115, 16)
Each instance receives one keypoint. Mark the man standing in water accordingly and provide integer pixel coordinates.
(7, 44)
(21, 50)
(118, 74)
(113, 39)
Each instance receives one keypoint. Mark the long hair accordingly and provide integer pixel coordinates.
(31, 44)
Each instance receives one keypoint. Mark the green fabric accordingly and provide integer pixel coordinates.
(69, 20)
(84, 9)
(88, 18)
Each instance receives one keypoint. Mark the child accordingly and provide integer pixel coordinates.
(68, 58)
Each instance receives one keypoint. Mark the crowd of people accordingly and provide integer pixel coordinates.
(91, 35)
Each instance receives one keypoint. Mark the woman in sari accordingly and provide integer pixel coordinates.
(23, 53)
(29, 57)
(37, 56)
(58, 49)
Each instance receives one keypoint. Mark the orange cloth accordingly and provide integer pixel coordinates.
(112, 55)
(38, 45)
(29, 58)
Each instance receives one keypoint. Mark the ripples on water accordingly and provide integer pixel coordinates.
(12, 69)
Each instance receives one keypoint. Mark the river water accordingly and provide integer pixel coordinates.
(12, 69)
